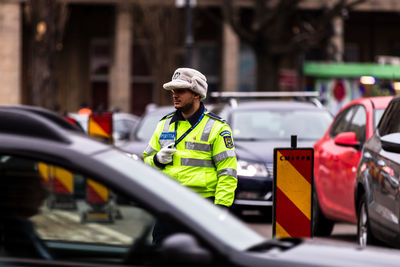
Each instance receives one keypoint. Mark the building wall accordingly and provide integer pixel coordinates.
(88, 35)
(88, 43)
(10, 53)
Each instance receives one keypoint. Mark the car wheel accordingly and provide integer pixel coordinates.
(364, 234)
(322, 226)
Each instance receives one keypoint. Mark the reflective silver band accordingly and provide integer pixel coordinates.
(207, 129)
(227, 171)
(165, 130)
(197, 162)
(149, 150)
(166, 125)
(224, 155)
(198, 146)
(164, 143)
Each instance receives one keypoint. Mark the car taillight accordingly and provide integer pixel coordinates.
(388, 170)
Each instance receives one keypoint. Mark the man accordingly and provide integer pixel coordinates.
(193, 146)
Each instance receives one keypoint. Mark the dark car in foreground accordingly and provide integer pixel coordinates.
(378, 189)
(258, 127)
(33, 234)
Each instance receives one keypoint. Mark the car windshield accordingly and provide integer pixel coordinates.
(279, 124)
(221, 225)
(378, 116)
(148, 125)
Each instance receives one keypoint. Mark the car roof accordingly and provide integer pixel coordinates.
(379, 102)
(276, 104)
(45, 113)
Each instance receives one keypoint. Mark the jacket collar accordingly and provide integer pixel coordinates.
(192, 119)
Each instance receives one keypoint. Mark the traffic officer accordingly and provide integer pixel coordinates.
(192, 145)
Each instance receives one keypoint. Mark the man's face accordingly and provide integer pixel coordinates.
(183, 99)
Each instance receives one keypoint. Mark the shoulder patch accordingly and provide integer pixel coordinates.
(216, 117)
(169, 115)
(225, 133)
(228, 141)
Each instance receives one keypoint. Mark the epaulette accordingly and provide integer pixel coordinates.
(169, 115)
(218, 118)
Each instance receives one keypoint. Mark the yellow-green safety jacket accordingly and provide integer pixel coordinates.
(205, 160)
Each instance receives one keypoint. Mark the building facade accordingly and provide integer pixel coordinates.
(103, 61)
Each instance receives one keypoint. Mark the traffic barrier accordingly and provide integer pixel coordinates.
(102, 207)
(101, 126)
(293, 187)
(97, 196)
(44, 173)
(60, 183)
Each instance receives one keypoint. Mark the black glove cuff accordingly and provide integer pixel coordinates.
(157, 163)
(222, 206)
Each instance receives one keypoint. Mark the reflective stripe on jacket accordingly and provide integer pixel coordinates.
(205, 160)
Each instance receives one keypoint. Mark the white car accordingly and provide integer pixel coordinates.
(123, 125)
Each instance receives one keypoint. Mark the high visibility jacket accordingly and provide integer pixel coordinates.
(205, 160)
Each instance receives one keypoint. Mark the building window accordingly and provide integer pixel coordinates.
(207, 61)
(247, 71)
(351, 53)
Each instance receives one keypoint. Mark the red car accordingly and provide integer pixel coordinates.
(337, 155)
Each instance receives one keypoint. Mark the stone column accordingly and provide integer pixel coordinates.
(336, 46)
(120, 82)
(230, 56)
(10, 53)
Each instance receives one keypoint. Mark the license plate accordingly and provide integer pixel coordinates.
(248, 195)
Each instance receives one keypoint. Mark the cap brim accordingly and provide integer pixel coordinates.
(175, 84)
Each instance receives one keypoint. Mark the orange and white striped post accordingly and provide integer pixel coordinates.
(293, 187)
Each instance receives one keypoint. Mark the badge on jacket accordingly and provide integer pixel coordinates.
(167, 136)
(227, 139)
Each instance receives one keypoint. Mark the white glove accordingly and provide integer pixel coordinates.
(164, 156)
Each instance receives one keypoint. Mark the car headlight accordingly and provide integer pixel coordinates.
(251, 169)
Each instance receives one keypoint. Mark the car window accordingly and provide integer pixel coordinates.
(341, 122)
(49, 211)
(148, 125)
(279, 124)
(122, 128)
(358, 123)
(378, 113)
(390, 122)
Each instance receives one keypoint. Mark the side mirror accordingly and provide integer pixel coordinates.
(121, 136)
(183, 248)
(391, 142)
(347, 139)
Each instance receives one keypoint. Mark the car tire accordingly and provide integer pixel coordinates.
(364, 234)
(321, 225)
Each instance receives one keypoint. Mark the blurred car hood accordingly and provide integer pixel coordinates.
(263, 150)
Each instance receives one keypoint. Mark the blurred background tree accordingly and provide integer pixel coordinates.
(159, 24)
(278, 29)
(47, 19)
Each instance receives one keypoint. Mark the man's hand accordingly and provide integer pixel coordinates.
(164, 156)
